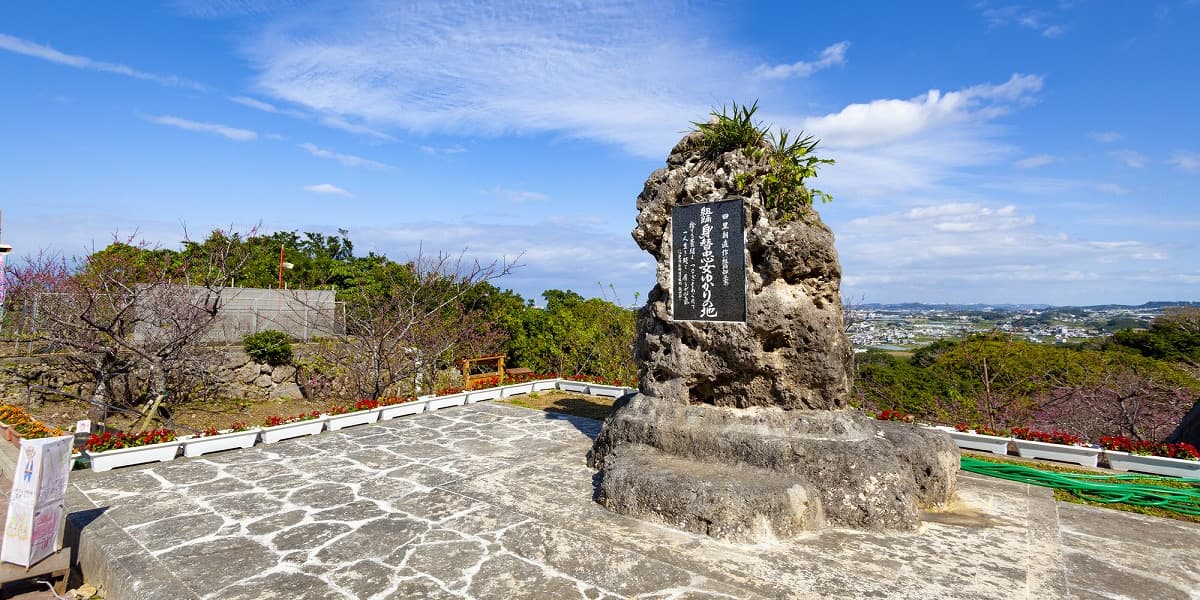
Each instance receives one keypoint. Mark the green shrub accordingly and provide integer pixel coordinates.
(269, 346)
(790, 160)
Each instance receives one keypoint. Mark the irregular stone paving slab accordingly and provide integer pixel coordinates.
(493, 501)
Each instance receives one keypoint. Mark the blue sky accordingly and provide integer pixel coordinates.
(987, 152)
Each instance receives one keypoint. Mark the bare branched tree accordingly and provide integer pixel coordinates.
(411, 320)
(127, 308)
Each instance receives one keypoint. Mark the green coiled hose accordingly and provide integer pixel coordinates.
(1100, 488)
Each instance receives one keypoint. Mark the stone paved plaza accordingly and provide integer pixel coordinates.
(494, 501)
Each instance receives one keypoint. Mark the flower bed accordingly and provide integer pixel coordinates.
(16, 424)
(1176, 460)
(980, 438)
(107, 450)
(282, 428)
(484, 389)
(1054, 445)
(452, 397)
(239, 435)
(894, 415)
(393, 407)
(366, 412)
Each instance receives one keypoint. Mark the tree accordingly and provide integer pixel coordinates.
(127, 308)
(1174, 336)
(575, 336)
(406, 321)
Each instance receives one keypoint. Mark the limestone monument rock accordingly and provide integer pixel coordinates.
(741, 428)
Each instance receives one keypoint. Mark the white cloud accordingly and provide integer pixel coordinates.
(327, 189)
(892, 146)
(517, 196)
(1186, 161)
(348, 160)
(1105, 137)
(356, 128)
(831, 56)
(255, 104)
(1035, 161)
(883, 121)
(446, 151)
(233, 133)
(625, 73)
(1053, 31)
(1129, 158)
(942, 246)
(1111, 188)
(31, 49)
(1034, 20)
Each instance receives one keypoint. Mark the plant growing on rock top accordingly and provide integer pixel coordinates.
(789, 160)
(726, 132)
(269, 346)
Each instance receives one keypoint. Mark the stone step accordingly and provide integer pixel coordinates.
(733, 503)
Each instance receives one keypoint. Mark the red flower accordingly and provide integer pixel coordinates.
(1049, 437)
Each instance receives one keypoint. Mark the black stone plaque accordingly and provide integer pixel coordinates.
(708, 262)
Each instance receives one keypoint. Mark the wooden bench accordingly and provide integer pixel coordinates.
(518, 372)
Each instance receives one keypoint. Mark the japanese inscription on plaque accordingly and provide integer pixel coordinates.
(708, 262)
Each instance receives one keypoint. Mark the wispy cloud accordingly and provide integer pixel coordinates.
(1187, 161)
(1105, 137)
(233, 133)
(327, 189)
(1035, 161)
(1129, 158)
(1112, 188)
(255, 104)
(356, 128)
(348, 160)
(517, 196)
(1034, 20)
(954, 244)
(831, 56)
(34, 50)
(447, 151)
(618, 73)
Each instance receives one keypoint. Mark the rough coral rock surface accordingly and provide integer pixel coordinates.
(741, 431)
(792, 351)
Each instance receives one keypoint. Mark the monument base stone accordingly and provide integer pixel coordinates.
(765, 473)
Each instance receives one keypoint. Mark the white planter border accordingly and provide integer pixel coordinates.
(516, 389)
(440, 402)
(978, 441)
(1156, 465)
(125, 457)
(1080, 455)
(412, 407)
(352, 419)
(607, 391)
(576, 387)
(197, 446)
(474, 396)
(287, 431)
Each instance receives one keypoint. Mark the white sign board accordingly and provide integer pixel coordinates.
(36, 508)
